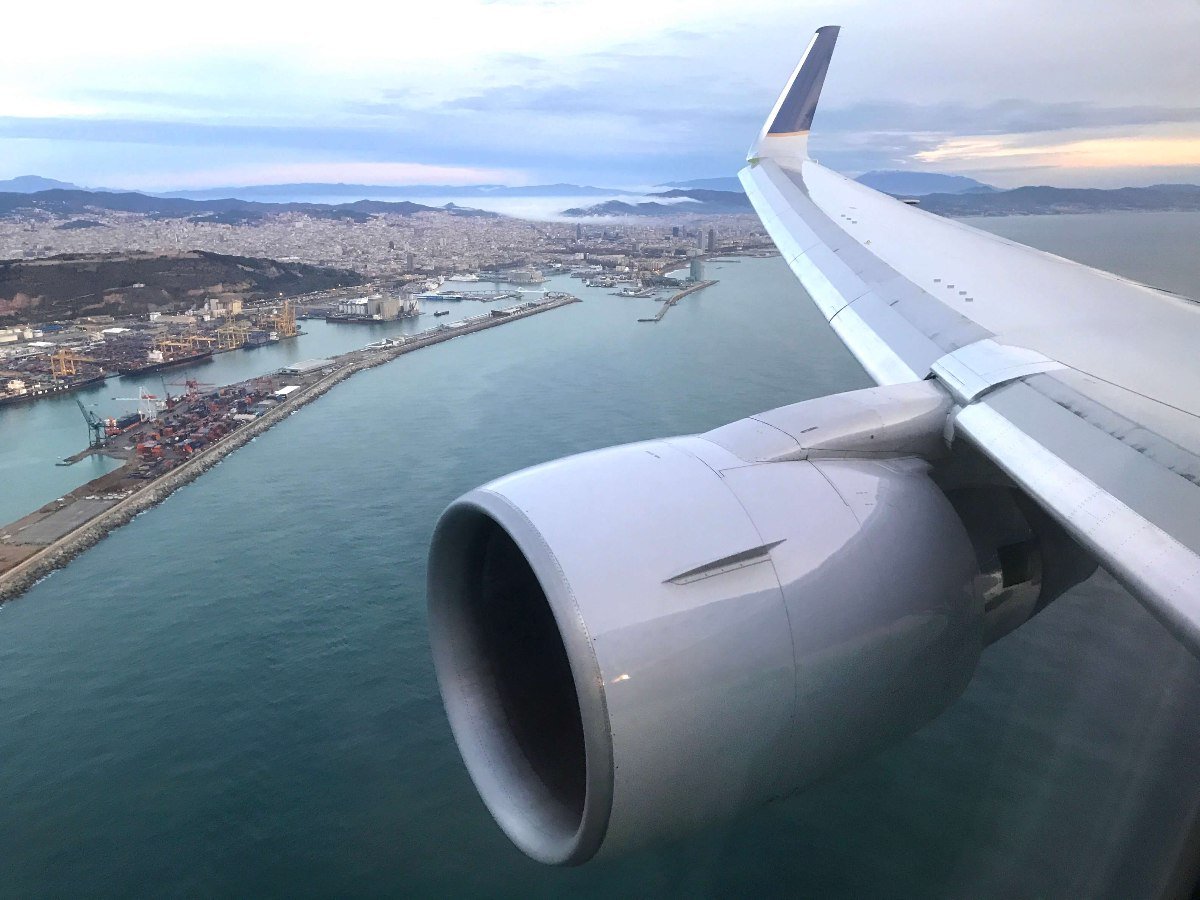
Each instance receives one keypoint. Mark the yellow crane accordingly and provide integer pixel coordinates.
(200, 341)
(283, 322)
(169, 344)
(65, 362)
(232, 335)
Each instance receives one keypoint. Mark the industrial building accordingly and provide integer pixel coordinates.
(525, 276)
(382, 309)
(307, 365)
(375, 309)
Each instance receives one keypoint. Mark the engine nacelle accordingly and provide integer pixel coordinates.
(639, 641)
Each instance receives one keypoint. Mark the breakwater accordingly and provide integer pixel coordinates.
(675, 298)
(59, 550)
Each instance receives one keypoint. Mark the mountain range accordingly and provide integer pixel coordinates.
(231, 211)
(948, 195)
(917, 184)
(695, 200)
(278, 192)
(724, 183)
(28, 184)
(1034, 201)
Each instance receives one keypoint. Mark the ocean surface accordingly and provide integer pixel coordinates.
(233, 694)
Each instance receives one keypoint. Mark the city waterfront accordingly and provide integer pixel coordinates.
(233, 694)
(173, 441)
(36, 435)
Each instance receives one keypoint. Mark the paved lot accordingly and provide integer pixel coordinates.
(61, 522)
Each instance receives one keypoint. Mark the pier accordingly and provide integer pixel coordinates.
(675, 298)
(157, 464)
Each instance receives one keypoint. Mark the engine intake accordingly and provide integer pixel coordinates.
(634, 642)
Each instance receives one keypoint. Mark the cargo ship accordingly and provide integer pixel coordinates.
(442, 295)
(260, 338)
(156, 362)
(37, 391)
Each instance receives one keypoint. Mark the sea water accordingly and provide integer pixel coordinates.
(234, 695)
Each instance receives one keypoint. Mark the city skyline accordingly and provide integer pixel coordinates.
(616, 94)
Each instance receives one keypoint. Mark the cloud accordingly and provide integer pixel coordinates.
(1007, 116)
(609, 91)
(335, 171)
(1108, 153)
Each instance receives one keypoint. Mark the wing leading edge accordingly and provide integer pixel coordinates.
(1083, 387)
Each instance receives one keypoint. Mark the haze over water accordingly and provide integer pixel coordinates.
(233, 694)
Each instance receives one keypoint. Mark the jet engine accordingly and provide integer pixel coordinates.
(639, 641)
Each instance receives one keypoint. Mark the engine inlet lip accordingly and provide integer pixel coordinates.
(533, 838)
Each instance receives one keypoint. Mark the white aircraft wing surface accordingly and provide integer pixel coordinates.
(1083, 387)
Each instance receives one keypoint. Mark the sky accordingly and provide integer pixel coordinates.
(158, 96)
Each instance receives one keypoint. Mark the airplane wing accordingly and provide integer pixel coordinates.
(1083, 387)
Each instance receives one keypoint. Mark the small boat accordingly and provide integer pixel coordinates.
(441, 312)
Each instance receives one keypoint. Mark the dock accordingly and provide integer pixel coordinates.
(675, 298)
(204, 429)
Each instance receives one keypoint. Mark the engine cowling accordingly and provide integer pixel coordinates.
(639, 641)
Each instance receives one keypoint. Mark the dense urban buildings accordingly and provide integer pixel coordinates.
(385, 245)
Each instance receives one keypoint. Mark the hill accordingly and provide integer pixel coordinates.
(76, 202)
(28, 184)
(1055, 201)
(692, 201)
(314, 190)
(724, 183)
(73, 285)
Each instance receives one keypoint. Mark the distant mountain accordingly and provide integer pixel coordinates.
(693, 201)
(308, 191)
(724, 183)
(918, 184)
(76, 202)
(1055, 201)
(29, 184)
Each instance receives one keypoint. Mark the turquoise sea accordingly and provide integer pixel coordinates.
(233, 694)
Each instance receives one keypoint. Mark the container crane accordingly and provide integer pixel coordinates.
(149, 406)
(193, 386)
(97, 437)
(65, 363)
(283, 321)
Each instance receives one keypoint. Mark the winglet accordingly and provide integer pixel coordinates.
(785, 133)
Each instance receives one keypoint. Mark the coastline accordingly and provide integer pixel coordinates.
(57, 553)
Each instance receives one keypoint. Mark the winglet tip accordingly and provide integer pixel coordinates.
(794, 110)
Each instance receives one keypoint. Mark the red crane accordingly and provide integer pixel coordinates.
(193, 386)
